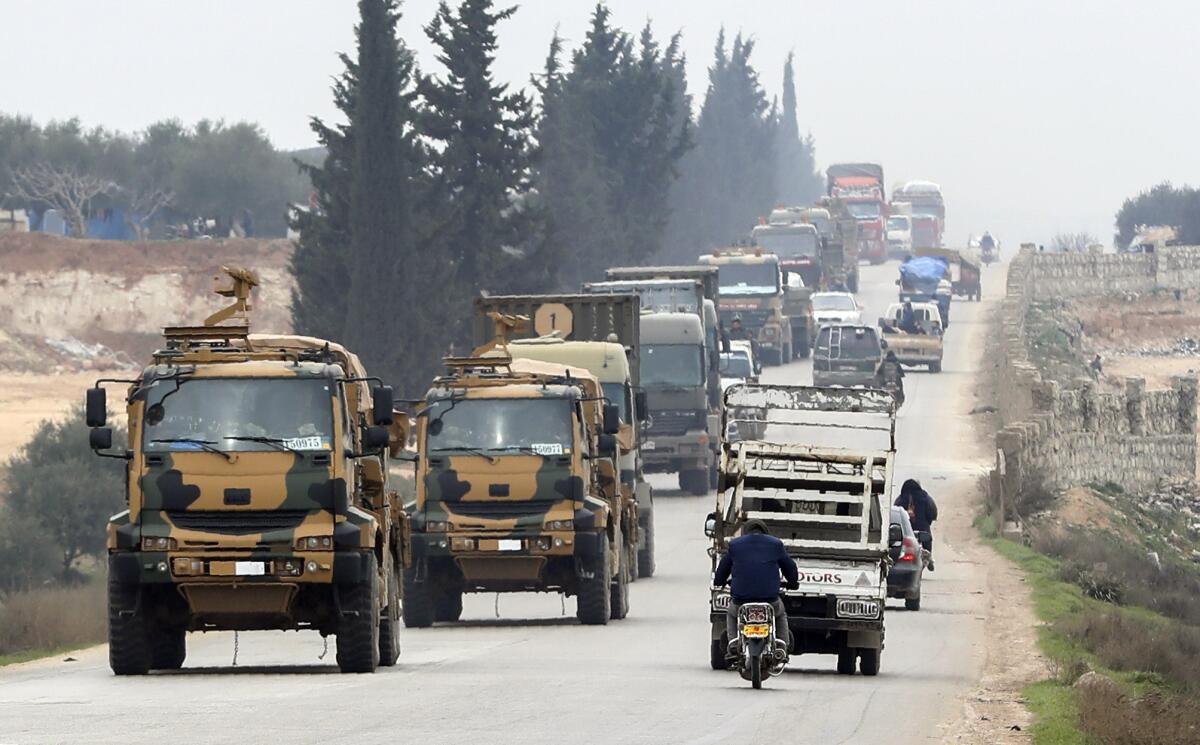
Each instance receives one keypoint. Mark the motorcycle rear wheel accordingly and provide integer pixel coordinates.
(756, 673)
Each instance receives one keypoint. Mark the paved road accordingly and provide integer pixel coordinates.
(521, 670)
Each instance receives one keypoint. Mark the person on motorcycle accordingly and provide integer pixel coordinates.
(891, 376)
(922, 512)
(987, 241)
(754, 560)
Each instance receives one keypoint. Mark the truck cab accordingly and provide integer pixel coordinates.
(517, 490)
(258, 495)
(752, 290)
(899, 236)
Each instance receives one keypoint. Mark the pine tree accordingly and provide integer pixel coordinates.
(483, 163)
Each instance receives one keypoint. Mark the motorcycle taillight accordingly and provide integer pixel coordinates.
(755, 614)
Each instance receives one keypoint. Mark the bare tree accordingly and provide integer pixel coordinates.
(1073, 242)
(63, 189)
(144, 204)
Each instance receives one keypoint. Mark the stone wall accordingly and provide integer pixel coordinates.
(1067, 433)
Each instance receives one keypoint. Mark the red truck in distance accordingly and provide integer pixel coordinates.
(859, 189)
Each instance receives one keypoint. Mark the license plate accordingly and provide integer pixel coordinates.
(647, 446)
(721, 602)
(857, 608)
(249, 568)
(756, 631)
(508, 544)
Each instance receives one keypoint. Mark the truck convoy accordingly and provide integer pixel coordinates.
(752, 290)
(858, 189)
(928, 211)
(518, 488)
(829, 504)
(258, 497)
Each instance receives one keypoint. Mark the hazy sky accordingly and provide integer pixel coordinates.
(1035, 116)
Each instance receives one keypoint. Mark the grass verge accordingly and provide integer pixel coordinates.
(1150, 695)
(49, 621)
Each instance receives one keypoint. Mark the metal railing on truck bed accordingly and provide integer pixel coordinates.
(819, 499)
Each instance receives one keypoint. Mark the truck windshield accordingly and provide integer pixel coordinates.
(863, 210)
(898, 223)
(239, 414)
(765, 274)
(673, 364)
(491, 424)
(787, 244)
(858, 343)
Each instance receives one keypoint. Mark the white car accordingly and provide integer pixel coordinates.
(736, 367)
(835, 307)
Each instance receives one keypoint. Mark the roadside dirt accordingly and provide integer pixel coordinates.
(995, 711)
(26, 399)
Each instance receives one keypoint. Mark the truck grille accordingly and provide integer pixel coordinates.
(751, 319)
(237, 522)
(674, 423)
(500, 510)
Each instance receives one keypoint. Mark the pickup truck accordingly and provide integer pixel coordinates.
(826, 500)
(922, 348)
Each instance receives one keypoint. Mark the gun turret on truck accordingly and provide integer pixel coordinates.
(258, 495)
(828, 503)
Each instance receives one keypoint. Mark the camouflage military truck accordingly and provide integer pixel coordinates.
(257, 493)
(517, 489)
(752, 290)
(599, 333)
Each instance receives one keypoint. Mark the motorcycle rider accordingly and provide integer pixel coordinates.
(891, 376)
(922, 512)
(754, 560)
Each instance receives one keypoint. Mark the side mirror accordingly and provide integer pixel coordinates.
(612, 419)
(895, 535)
(382, 404)
(608, 446)
(711, 522)
(375, 437)
(100, 438)
(640, 403)
(96, 408)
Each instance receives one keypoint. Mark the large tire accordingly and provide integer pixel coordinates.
(935, 367)
(128, 641)
(645, 559)
(845, 662)
(447, 604)
(618, 603)
(913, 603)
(852, 281)
(869, 661)
(716, 653)
(756, 672)
(803, 350)
(417, 603)
(594, 598)
(168, 648)
(389, 622)
(358, 623)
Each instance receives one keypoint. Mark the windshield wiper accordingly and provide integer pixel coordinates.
(522, 449)
(277, 442)
(473, 451)
(203, 445)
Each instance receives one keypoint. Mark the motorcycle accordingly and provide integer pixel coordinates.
(897, 391)
(760, 654)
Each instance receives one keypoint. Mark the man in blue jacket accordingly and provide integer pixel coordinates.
(755, 560)
(922, 513)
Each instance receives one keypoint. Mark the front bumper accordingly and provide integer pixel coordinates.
(501, 545)
(680, 452)
(238, 568)
(843, 378)
(904, 580)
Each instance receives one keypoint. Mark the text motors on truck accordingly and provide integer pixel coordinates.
(826, 496)
(257, 492)
(752, 290)
(858, 188)
(599, 333)
(517, 489)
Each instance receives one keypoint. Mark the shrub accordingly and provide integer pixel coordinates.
(52, 618)
(1124, 642)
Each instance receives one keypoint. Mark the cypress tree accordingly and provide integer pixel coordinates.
(797, 182)
(482, 164)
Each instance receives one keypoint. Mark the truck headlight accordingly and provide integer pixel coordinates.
(159, 544)
(314, 543)
(437, 526)
(560, 525)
